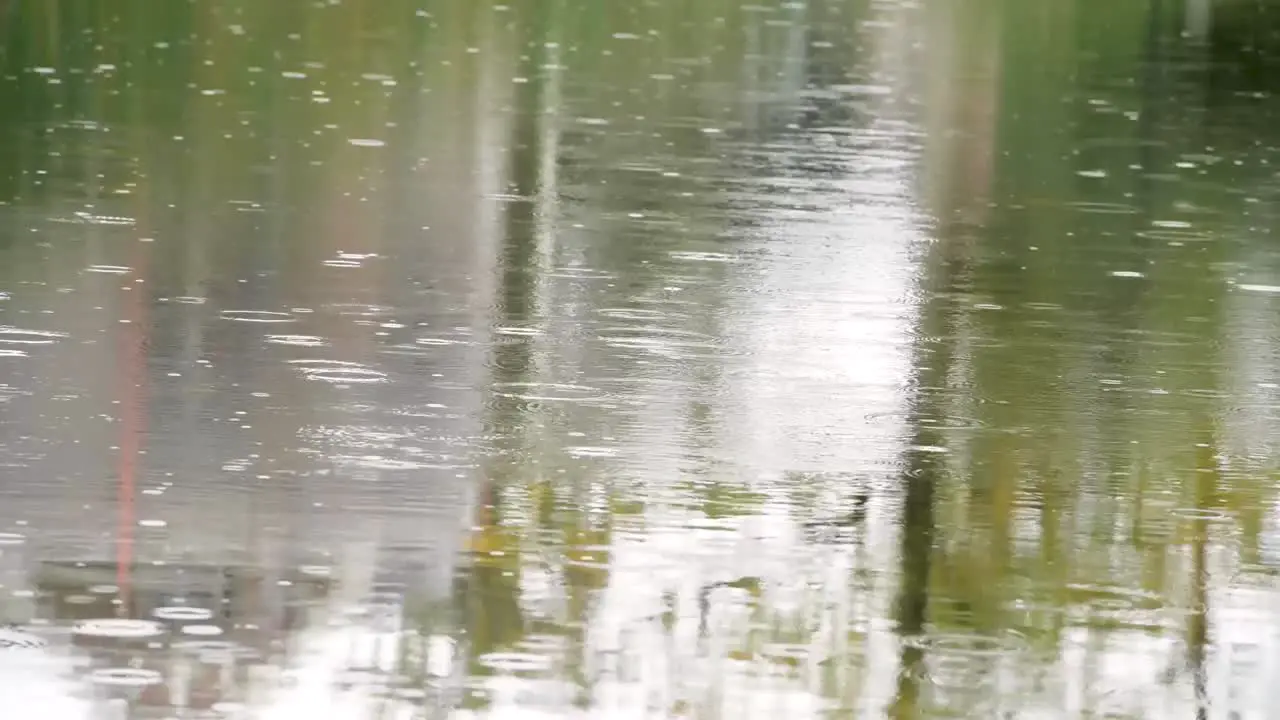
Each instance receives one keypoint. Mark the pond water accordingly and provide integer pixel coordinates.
(668, 359)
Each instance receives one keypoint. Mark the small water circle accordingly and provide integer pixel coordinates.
(690, 256)
(338, 372)
(514, 331)
(515, 662)
(655, 338)
(1251, 287)
(222, 647)
(546, 392)
(537, 644)
(967, 645)
(1176, 236)
(257, 316)
(1112, 597)
(29, 337)
(590, 451)
(345, 376)
(1206, 514)
(1104, 208)
(359, 309)
(182, 613)
(785, 652)
(575, 272)
(441, 341)
(633, 314)
(943, 422)
(126, 677)
(298, 340)
(117, 628)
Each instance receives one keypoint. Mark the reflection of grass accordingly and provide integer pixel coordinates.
(720, 500)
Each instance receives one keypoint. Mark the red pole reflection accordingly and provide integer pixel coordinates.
(133, 365)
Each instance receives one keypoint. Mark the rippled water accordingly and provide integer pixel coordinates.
(570, 358)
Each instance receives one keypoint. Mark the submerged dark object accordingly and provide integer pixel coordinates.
(14, 638)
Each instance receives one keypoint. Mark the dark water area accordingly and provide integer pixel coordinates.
(670, 359)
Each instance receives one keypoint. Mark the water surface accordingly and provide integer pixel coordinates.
(567, 358)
